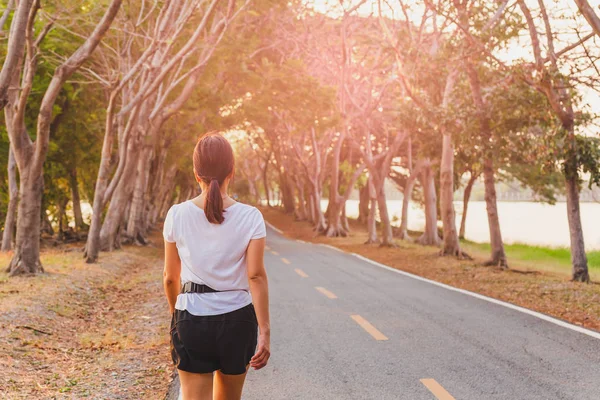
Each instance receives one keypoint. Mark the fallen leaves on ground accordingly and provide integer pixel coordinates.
(82, 330)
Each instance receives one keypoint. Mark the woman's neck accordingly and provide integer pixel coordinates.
(201, 199)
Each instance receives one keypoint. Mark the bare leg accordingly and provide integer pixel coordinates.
(196, 386)
(229, 387)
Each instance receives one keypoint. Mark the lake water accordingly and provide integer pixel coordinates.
(520, 222)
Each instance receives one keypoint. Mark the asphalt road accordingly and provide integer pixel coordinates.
(343, 328)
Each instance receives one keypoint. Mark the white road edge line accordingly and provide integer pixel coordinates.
(270, 225)
(539, 315)
(331, 247)
(300, 241)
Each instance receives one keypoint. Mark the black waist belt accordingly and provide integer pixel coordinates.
(192, 287)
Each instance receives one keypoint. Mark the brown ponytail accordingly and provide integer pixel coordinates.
(213, 163)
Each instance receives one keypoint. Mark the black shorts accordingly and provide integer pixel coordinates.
(224, 342)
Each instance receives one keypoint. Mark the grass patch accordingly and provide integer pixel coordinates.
(555, 259)
(64, 310)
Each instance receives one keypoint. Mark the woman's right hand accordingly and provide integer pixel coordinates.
(263, 352)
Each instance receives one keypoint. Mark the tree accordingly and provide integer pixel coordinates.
(30, 155)
(427, 79)
(575, 152)
(141, 101)
(483, 114)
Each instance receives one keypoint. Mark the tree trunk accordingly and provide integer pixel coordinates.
(430, 236)
(254, 191)
(578, 257)
(62, 207)
(11, 213)
(406, 195)
(45, 224)
(334, 224)
(117, 206)
(266, 184)
(451, 245)
(320, 225)
(168, 201)
(345, 223)
(308, 204)
(136, 211)
(301, 212)
(165, 194)
(76, 199)
(466, 198)
(92, 246)
(160, 183)
(372, 223)
(287, 194)
(387, 236)
(26, 258)
(371, 220)
(497, 246)
(310, 207)
(363, 205)
(334, 221)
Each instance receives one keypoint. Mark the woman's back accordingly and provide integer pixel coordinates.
(214, 254)
(215, 281)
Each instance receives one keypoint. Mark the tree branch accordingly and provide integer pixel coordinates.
(61, 74)
(589, 14)
(15, 50)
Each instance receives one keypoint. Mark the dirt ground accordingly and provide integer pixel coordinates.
(86, 331)
(542, 291)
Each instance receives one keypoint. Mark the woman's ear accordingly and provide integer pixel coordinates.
(197, 177)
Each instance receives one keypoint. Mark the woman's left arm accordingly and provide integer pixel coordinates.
(172, 274)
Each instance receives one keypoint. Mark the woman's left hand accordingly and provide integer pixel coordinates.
(263, 352)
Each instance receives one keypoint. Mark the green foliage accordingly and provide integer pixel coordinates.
(346, 171)
(542, 254)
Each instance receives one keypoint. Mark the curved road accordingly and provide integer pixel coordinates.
(343, 328)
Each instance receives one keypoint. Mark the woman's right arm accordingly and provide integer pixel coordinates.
(259, 287)
(172, 274)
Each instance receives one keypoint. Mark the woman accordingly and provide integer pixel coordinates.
(214, 272)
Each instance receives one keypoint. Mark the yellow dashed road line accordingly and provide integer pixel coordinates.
(285, 260)
(326, 292)
(274, 253)
(377, 335)
(438, 391)
(301, 273)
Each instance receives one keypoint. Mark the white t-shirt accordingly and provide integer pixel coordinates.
(213, 255)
